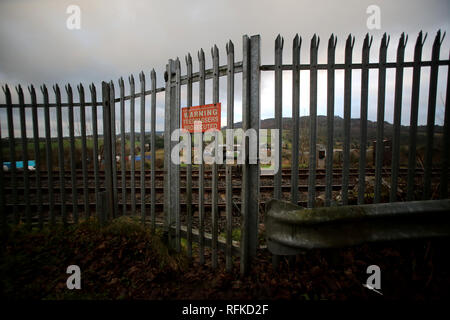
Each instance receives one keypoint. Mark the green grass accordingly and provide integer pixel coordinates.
(235, 235)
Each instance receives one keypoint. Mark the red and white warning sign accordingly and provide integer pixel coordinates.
(208, 114)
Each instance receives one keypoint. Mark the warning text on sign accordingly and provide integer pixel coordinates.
(208, 115)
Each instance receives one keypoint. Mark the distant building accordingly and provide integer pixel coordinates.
(19, 165)
(387, 153)
(320, 156)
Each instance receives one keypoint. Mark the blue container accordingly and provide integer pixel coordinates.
(19, 164)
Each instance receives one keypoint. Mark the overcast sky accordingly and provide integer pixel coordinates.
(119, 38)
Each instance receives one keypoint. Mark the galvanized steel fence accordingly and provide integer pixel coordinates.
(110, 189)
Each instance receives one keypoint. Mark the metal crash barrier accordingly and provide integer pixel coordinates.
(290, 229)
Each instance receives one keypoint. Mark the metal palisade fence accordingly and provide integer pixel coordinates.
(215, 208)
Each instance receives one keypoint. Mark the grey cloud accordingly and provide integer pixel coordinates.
(118, 38)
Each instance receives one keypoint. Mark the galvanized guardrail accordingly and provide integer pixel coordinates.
(291, 229)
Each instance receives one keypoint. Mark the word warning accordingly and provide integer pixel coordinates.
(209, 115)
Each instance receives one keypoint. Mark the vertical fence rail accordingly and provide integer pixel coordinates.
(2, 186)
(251, 60)
(296, 44)
(113, 147)
(347, 116)
(172, 175)
(279, 42)
(446, 151)
(330, 119)
(72, 155)
(49, 155)
(95, 144)
(215, 194)
(189, 165)
(37, 154)
(132, 145)
(142, 144)
(380, 118)
(363, 117)
(107, 149)
(431, 114)
(3, 213)
(24, 139)
(175, 186)
(153, 151)
(414, 116)
(87, 210)
(167, 151)
(60, 154)
(123, 162)
(245, 191)
(201, 190)
(12, 152)
(397, 117)
(230, 150)
(313, 122)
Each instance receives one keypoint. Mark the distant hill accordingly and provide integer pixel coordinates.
(322, 121)
(355, 129)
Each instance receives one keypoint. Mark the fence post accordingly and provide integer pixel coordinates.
(107, 151)
(250, 173)
(169, 178)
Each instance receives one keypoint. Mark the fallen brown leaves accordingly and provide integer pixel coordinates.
(124, 261)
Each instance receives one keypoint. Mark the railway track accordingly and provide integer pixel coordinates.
(159, 174)
(160, 189)
(220, 170)
(265, 181)
(266, 188)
